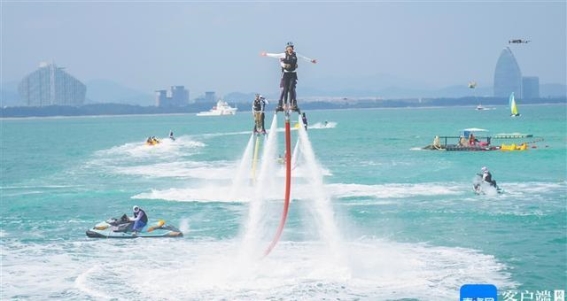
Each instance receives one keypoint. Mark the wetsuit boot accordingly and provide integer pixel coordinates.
(294, 106)
(279, 108)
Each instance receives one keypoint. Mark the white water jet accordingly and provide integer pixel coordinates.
(255, 230)
(269, 186)
(242, 178)
(321, 208)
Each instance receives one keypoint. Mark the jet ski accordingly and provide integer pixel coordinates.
(483, 187)
(122, 228)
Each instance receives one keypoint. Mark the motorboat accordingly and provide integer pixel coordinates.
(470, 139)
(122, 228)
(222, 108)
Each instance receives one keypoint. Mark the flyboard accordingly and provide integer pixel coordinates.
(287, 183)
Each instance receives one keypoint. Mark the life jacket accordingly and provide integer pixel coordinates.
(291, 61)
(144, 218)
(488, 177)
(257, 105)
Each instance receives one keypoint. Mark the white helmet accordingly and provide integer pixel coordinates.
(484, 169)
(136, 208)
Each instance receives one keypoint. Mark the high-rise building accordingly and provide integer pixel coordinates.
(507, 75)
(176, 96)
(51, 85)
(530, 87)
(211, 97)
(179, 95)
(161, 97)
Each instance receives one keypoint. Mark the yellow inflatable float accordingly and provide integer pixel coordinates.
(513, 147)
(152, 141)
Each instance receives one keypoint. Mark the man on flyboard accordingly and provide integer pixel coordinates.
(288, 64)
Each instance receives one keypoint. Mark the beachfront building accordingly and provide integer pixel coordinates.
(507, 75)
(210, 97)
(530, 87)
(51, 85)
(176, 96)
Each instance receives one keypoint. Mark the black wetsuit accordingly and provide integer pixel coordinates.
(488, 178)
(289, 80)
(258, 106)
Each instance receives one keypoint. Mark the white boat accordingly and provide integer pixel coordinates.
(480, 108)
(513, 106)
(472, 85)
(221, 109)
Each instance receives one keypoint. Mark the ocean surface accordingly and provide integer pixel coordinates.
(372, 216)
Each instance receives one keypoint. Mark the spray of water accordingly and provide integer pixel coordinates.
(242, 178)
(255, 230)
(320, 207)
(267, 183)
(269, 187)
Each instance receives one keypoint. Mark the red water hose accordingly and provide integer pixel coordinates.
(287, 187)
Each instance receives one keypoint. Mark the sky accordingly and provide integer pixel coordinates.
(216, 45)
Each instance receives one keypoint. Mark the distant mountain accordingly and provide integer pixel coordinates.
(106, 91)
(239, 97)
(363, 83)
(463, 91)
(552, 90)
(400, 92)
(378, 85)
(388, 86)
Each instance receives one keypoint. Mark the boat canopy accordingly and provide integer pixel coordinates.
(469, 131)
(474, 130)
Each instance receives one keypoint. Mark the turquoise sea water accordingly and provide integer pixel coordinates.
(372, 216)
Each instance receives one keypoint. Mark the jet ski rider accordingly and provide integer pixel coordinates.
(140, 219)
(487, 176)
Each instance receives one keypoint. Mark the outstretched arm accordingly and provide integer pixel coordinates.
(274, 55)
(314, 61)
